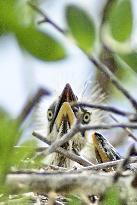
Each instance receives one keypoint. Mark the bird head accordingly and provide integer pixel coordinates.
(62, 116)
(104, 150)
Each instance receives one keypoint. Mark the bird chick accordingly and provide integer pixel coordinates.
(62, 117)
(104, 151)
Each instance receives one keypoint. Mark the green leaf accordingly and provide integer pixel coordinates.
(73, 200)
(130, 60)
(8, 16)
(13, 14)
(81, 27)
(120, 20)
(111, 197)
(22, 155)
(9, 135)
(40, 44)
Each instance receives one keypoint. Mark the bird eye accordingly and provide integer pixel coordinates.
(50, 115)
(86, 117)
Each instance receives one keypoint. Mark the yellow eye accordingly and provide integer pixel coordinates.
(86, 117)
(50, 115)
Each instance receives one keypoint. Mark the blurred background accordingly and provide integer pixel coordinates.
(21, 74)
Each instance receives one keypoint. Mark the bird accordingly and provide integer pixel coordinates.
(104, 151)
(62, 117)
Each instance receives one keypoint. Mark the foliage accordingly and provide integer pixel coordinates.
(40, 44)
(121, 24)
(81, 26)
(111, 197)
(14, 19)
(73, 200)
(10, 156)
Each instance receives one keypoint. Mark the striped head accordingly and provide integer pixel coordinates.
(104, 151)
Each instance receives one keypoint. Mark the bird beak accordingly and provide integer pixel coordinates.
(64, 115)
(104, 151)
(101, 154)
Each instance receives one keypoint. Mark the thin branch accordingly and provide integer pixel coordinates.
(107, 164)
(128, 131)
(103, 68)
(60, 150)
(31, 103)
(123, 165)
(81, 128)
(46, 18)
(65, 138)
(107, 108)
(89, 168)
(107, 126)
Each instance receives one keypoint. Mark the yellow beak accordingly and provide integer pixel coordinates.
(65, 113)
(100, 152)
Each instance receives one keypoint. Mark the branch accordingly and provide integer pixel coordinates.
(127, 130)
(102, 67)
(60, 150)
(31, 103)
(123, 164)
(46, 18)
(107, 126)
(80, 128)
(69, 183)
(107, 108)
(108, 164)
(90, 168)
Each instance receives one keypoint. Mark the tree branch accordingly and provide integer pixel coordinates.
(108, 164)
(80, 128)
(69, 183)
(102, 67)
(31, 103)
(107, 108)
(46, 18)
(127, 130)
(60, 150)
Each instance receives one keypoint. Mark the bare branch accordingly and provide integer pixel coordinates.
(64, 139)
(46, 19)
(128, 131)
(66, 153)
(80, 128)
(125, 164)
(31, 103)
(69, 183)
(103, 68)
(107, 108)
(108, 126)
(108, 164)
